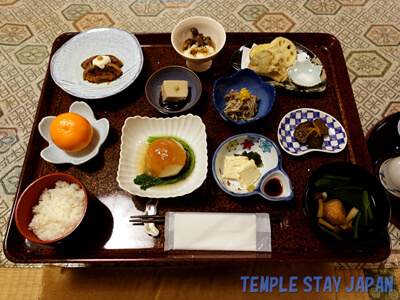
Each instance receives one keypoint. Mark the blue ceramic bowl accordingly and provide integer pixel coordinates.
(153, 89)
(249, 79)
(272, 166)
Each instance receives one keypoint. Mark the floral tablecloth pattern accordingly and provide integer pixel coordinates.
(369, 32)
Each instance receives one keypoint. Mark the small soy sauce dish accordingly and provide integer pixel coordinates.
(273, 184)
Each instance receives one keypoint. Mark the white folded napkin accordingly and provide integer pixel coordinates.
(217, 231)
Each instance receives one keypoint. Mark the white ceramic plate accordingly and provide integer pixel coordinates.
(55, 155)
(334, 142)
(135, 133)
(66, 70)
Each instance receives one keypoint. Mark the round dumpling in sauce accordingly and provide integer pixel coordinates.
(165, 158)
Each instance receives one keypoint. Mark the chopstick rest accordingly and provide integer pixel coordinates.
(217, 231)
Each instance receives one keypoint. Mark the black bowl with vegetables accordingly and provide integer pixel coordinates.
(346, 203)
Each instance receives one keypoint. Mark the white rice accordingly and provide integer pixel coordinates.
(58, 211)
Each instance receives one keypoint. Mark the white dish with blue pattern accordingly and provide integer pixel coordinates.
(66, 70)
(272, 166)
(334, 142)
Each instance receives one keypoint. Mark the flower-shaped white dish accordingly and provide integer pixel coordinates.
(334, 142)
(271, 160)
(305, 73)
(135, 133)
(55, 155)
(66, 70)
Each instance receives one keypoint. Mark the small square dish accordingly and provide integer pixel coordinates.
(135, 134)
(66, 70)
(334, 142)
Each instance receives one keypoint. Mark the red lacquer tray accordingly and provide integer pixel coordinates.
(106, 234)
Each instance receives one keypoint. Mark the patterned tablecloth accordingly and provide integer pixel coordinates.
(369, 32)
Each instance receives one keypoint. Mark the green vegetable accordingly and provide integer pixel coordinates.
(146, 181)
(329, 231)
(367, 206)
(329, 181)
(254, 156)
(356, 223)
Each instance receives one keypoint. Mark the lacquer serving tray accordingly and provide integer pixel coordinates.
(106, 234)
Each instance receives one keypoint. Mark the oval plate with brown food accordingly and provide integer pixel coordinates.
(334, 142)
(67, 72)
(302, 53)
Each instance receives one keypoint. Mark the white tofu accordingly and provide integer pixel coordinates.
(231, 164)
(248, 174)
(174, 90)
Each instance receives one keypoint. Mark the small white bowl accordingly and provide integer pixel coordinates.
(389, 175)
(305, 73)
(135, 134)
(206, 26)
(55, 155)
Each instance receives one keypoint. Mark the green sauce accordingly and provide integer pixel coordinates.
(146, 181)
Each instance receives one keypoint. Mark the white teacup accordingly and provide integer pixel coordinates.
(389, 174)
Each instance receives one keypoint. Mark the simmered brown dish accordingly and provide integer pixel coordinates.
(311, 133)
(198, 45)
(98, 73)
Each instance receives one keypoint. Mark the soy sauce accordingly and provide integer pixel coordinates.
(273, 187)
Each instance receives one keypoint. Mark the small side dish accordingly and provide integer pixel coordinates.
(101, 68)
(75, 137)
(249, 98)
(334, 141)
(173, 89)
(249, 164)
(198, 40)
(305, 73)
(260, 46)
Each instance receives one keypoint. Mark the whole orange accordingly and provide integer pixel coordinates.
(71, 132)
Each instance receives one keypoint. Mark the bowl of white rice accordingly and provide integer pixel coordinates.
(51, 208)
